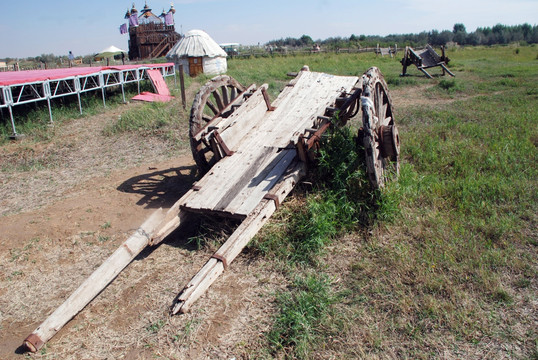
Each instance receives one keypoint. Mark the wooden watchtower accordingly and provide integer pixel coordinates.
(150, 36)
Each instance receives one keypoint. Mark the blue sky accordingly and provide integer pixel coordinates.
(34, 27)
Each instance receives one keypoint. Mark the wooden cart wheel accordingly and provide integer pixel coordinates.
(380, 135)
(211, 101)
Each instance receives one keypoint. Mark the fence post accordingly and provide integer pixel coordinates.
(182, 85)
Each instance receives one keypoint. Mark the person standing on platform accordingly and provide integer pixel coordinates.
(71, 58)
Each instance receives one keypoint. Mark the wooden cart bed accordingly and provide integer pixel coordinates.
(263, 144)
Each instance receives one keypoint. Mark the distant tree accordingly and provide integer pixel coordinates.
(459, 28)
(335, 43)
(498, 29)
(46, 58)
(498, 34)
(472, 39)
(433, 37)
(445, 37)
(526, 29)
(485, 31)
(306, 40)
(460, 34)
(532, 38)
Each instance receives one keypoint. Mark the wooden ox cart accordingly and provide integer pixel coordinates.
(252, 153)
(425, 59)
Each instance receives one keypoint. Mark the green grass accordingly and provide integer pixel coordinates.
(445, 257)
(307, 316)
(163, 120)
(33, 121)
(342, 202)
(147, 119)
(273, 70)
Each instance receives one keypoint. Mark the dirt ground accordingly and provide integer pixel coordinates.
(66, 206)
(64, 216)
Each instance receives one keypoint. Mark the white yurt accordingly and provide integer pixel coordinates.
(198, 53)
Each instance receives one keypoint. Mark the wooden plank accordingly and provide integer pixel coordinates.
(243, 120)
(247, 175)
(223, 170)
(289, 87)
(198, 285)
(230, 249)
(310, 98)
(425, 72)
(298, 110)
(171, 221)
(246, 185)
(97, 281)
(215, 121)
(446, 69)
(237, 241)
(431, 51)
(254, 196)
(228, 177)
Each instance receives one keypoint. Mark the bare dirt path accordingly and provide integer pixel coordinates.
(61, 219)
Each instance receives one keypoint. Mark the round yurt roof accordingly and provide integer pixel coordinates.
(196, 43)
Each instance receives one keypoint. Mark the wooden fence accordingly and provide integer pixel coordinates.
(268, 52)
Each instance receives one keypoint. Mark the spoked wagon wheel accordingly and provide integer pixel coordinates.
(211, 101)
(380, 135)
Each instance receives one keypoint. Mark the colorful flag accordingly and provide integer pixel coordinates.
(133, 19)
(123, 28)
(169, 19)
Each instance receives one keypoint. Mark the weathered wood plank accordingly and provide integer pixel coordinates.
(97, 281)
(248, 181)
(230, 249)
(225, 176)
(212, 122)
(243, 120)
(237, 241)
(259, 166)
(248, 201)
(172, 219)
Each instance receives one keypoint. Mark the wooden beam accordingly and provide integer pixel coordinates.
(94, 284)
(172, 220)
(267, 100)
(425, 72)
(237, 241)
(446, 69)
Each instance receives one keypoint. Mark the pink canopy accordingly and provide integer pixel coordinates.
(31, 76)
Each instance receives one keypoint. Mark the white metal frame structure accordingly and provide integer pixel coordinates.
(27, 92)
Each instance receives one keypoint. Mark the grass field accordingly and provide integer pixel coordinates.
(442, 263)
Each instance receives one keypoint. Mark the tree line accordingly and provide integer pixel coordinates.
(498, 34)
